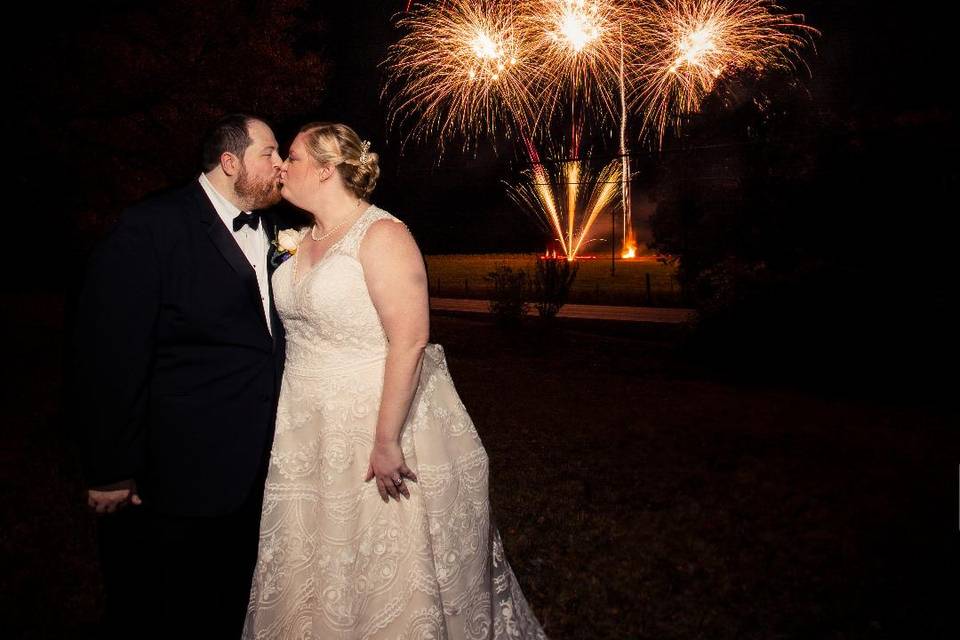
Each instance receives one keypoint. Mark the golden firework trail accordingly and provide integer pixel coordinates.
(460, 69)
(626, 251)
(690, 45)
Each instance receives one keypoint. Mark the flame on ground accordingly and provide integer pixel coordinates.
(629, 247)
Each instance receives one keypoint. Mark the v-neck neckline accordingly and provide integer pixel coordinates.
(298, 281)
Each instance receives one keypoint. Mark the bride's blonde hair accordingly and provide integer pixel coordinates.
(339, 145)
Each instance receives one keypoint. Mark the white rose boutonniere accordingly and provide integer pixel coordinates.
(286, 243)
(288, 240)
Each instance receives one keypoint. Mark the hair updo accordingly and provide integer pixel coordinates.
(339, 145)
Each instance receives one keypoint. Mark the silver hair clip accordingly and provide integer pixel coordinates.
(363, 152)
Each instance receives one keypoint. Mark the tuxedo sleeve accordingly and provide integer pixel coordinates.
(114, 345)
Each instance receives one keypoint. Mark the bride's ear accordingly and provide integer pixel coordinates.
(325, 171)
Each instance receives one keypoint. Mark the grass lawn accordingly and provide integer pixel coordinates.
(638, 496)
(463, 276)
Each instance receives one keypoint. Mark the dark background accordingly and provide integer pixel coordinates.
(784, 468)
(109, 100)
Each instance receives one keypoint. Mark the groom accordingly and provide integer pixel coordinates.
(179, 360)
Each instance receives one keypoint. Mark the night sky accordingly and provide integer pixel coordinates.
(111, 97)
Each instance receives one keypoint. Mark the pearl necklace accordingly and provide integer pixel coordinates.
(313, 229)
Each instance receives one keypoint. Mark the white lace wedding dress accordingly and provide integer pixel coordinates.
(335, 561)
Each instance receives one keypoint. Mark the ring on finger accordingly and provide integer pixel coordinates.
(397, 480)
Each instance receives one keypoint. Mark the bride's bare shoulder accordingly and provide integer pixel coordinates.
(388, 238)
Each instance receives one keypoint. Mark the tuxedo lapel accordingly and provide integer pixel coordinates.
(270, 227)
(229, 249)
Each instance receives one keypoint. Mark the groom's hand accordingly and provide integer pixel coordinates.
(113, 498)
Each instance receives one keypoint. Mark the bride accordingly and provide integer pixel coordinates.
(376, 520)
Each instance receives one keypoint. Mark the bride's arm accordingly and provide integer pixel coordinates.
(397, 281)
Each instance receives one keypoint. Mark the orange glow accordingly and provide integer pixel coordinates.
(629, 249)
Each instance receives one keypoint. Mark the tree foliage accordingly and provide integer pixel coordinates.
(802, 237)
(124, 91)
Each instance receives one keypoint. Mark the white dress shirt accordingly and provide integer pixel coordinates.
(254, 244)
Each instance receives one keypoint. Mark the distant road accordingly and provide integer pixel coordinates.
(584, 311)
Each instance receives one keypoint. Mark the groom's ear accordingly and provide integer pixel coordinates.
(229, 163)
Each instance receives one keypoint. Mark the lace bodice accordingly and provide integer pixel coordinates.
(327, 312)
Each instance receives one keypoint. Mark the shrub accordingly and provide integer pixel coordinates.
(551, 285)
(508, 302)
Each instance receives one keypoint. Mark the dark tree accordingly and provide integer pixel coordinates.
(807, 241)
(115, 104)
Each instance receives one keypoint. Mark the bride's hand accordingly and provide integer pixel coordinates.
(388, 467)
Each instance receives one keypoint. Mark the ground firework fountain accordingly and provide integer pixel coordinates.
(567, 196)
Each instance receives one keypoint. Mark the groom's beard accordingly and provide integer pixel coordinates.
(257, 193)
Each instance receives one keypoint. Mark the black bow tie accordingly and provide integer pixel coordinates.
(251, 219)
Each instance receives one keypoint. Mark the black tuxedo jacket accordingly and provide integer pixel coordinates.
(177, 372)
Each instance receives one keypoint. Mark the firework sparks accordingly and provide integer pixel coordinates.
(460, 69)
(568, 199)
(576, 25)
(692, 44)
(579, 45)
(476, 67)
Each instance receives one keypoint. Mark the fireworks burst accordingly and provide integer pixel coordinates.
(567, 199)
(579, 45)
(473, 68)
(460, 69)
(692, 44)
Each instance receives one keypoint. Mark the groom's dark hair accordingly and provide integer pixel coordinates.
(230, 133)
